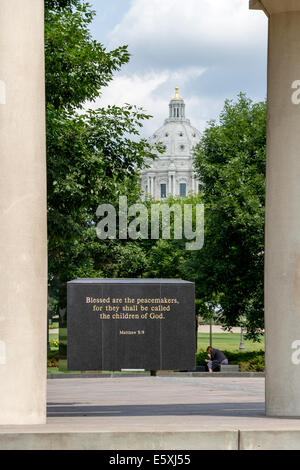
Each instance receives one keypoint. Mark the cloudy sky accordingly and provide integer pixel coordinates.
(211, 49)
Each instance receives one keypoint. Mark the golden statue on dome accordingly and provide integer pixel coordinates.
(177, 97)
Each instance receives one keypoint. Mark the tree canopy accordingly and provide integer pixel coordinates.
(230, 162)
(93, 156)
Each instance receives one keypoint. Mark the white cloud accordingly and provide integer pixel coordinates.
(211, 49)
(177, 29)
(132, 89)
(144, 91)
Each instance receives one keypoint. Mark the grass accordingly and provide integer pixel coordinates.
(250, 360)
(53, 336)
(223, 341)
(228, 342)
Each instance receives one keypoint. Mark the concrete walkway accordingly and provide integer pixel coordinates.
(155, 413)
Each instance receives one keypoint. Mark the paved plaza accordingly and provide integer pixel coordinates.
(156, 403)
(156, 413)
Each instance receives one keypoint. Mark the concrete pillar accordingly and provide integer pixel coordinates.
(23, 235)
(282, 248)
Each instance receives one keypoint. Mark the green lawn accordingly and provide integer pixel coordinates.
(223, 341)
(53, 336)
(228, 342)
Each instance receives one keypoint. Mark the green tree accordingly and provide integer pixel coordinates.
(230, 162)
(167, 258)
(58, 4)
(93, 156)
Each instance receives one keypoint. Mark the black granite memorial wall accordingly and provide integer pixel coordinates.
(117, 324)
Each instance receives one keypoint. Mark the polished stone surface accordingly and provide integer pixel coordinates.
(131, 324)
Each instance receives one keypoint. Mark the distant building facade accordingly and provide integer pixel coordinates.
(172, 173)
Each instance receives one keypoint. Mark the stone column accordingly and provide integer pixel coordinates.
(282, 248)
(148, 184)
(195, 185)
(174, 185)
(151, 186)
(23, 235)
(170, 191)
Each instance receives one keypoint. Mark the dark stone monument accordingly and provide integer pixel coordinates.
(115, 324)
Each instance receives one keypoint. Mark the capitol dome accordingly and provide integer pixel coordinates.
(172, 173)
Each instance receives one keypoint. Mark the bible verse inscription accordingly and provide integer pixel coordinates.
(128, 308)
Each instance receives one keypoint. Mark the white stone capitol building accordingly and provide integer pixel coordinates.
(172, 172)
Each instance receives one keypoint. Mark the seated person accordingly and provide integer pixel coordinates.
(216, 359)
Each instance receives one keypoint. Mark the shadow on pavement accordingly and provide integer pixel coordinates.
(199, 409)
